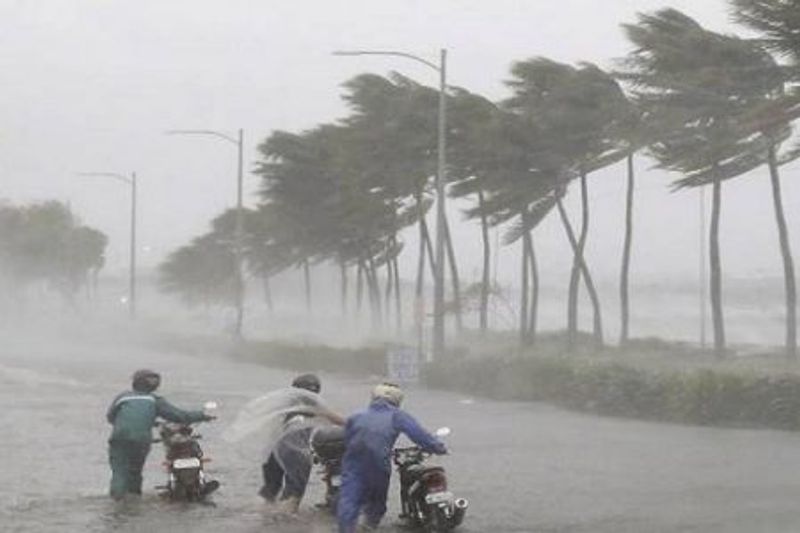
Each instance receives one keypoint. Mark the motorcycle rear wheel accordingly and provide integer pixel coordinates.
(186, 490)
(437, 522)
(333, 502)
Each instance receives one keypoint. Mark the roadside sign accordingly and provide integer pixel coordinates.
(402, 364)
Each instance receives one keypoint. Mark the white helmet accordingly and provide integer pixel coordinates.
(390, 392)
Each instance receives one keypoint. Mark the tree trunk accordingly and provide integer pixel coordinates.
(575, 274)
(523, 301)
(398, 303)
(419, 295)
(359, 287)
(626, 259)
(786, 254)
(428, 246)
(573, 244)
(420, 261)
(370, 293)
(586, 275)
(487, 252)
(388, 289)
(343, 280)
(577, 258)
(375, 292)
(451, 259)
(717, 318)
(307, 277)
(267, 292)
(533, 317)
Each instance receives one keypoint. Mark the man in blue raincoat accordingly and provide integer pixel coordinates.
(133, 414)
(366, 468)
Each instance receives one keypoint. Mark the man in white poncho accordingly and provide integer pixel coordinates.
(289, 415)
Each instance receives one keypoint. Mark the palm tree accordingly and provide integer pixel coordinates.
(700, 87)
(516, 186)
(203, 272)
(473, 134)
(778, 22)
(779, 25)
(578, 112)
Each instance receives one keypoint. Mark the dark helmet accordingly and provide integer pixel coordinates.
(309, 382)
(146, 380)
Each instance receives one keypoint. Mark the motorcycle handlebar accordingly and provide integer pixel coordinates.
(408, 449)
(412, 450)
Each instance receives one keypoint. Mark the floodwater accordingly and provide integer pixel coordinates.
(525, 467)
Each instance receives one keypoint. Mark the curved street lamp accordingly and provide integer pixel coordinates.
(441, 169)
(239, 228)
(130, 181)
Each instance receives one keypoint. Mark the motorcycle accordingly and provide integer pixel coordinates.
(424, 496)
(327, 449)
(184, 462)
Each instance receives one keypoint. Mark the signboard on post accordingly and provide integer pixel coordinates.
(402, 364)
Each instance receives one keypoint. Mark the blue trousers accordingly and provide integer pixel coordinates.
(362, 490)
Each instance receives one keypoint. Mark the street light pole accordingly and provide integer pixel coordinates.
(238, 234)
(130, 181)
(441, 178)
(239, 223)
(132, 280)
(441, 168)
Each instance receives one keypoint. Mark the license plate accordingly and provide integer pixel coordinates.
(439, 497)
(190, 462)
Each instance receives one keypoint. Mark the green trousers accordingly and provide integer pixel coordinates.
(127, 461)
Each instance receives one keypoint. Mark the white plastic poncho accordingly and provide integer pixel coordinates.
(266, 417)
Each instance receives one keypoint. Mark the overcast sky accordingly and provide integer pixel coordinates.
(90, 85)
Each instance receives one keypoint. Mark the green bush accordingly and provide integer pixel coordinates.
(315, 358)
(701, 396)
(724, 396)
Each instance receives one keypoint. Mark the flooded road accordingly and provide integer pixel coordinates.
(524, 467)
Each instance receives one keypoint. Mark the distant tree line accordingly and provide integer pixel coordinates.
(45, 244)
(712, 107)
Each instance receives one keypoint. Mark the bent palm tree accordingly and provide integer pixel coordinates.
(700, 87)
(778, 22)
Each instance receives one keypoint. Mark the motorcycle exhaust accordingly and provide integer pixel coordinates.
(460, 508)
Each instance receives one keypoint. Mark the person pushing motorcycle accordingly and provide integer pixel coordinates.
(133, 414)
(288, 467)
(366, 468)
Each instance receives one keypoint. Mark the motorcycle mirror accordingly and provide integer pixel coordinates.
(209, 406)
(442, 432)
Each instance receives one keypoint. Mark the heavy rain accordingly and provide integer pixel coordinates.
(399, 266)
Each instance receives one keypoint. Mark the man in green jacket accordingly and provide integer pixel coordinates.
(133, 414)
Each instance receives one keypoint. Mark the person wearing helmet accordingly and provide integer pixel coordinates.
(132, 415)
(288, 466)
(366, 468)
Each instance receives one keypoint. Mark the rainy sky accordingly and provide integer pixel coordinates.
(91, 85)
